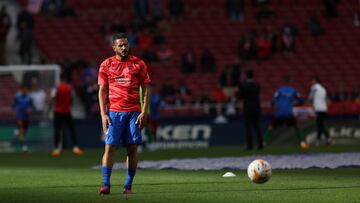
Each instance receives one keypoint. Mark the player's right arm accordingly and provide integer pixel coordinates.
(103, 94)
(103, 101)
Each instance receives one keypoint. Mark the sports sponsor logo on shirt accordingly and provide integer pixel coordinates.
(122, 79)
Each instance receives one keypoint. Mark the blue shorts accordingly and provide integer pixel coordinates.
(123, 129)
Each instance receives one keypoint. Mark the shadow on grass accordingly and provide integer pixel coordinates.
(257, 190)
(196, 191)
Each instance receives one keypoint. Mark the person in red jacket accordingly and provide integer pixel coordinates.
(61, 102)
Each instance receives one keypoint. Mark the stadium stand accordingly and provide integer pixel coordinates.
(333, 56)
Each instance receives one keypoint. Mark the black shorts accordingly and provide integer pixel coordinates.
(276, 122)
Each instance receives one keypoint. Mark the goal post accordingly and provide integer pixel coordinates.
(39, 80)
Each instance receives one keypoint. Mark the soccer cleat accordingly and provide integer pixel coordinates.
(304, 145)
(127, 193)
(77, 151)
(104, 190)
(329, 142)
(55, 153)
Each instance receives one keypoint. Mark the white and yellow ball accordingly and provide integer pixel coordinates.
(259, 171)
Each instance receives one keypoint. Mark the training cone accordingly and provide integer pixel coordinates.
(229, 174)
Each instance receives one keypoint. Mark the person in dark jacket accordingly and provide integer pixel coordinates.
(249, 92)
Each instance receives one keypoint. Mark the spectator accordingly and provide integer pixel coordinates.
(52, 7)
(263, 46)
(5, 23)
(168, 92)
(67, 9)
(330, 8)
(132, 37)
(235, 9)
(156, 9)
(263, 11)
(207, 61)
(357, 19)
(218, 100)
(273, 39)
(315, 27)
(141, 8)
(145, 39)
(231, 75)
(184, 93)
(163, 25)
(25, 39)
(159, 38)
(176, 9)
(247, 47)
(288, 38)
(149, 23)
(24, 17)
(188, 61)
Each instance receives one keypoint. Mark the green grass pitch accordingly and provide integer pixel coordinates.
(38, 177)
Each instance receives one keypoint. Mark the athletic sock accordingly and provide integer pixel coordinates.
(130, 173)
(267, 135)
(106, 173)
(299, 134)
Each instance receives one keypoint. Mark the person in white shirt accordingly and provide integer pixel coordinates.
(318, 97)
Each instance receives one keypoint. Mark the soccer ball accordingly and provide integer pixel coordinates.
(259, 171)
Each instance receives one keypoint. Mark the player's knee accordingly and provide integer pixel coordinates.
(131, 150)
(109, 150)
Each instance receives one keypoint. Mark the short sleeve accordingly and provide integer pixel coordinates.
(144, 74)
(102, 76)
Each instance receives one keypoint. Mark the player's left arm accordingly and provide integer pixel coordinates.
(145, 82)
(142, 118)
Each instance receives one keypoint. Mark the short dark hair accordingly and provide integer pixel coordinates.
(120, 35)
(249, 74)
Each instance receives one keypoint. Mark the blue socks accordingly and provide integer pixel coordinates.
(106, 173)
(130, 173)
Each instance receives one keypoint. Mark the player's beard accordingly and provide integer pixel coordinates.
(123, 54)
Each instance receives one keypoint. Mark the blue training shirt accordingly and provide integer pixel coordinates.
(284, 99)
(21, 105)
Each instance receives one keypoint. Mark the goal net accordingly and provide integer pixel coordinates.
(39, 80)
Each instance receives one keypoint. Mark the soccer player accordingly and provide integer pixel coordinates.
(119, 79)
(284, 99)
(249, 92)
(62, 100)
(23, 106)
(318, 97)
